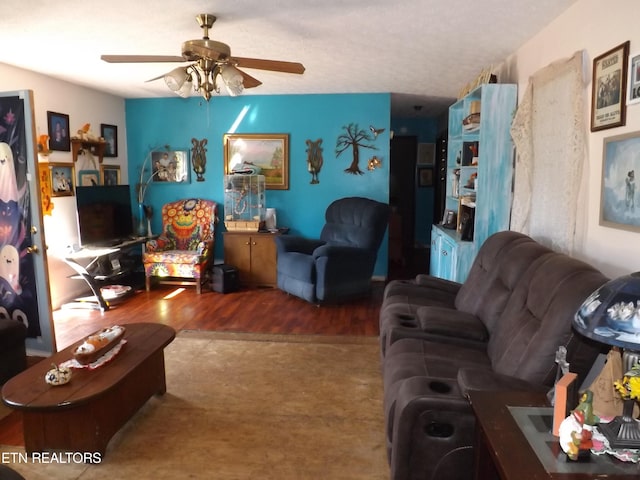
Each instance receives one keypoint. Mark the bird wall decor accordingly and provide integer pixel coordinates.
(376, 131)
(314, 159)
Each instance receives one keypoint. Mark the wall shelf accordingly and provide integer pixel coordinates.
(95, 147)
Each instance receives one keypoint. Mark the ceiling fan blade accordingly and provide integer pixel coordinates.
(248, 81)
(141, 58)
(273, 65)
(155, 78)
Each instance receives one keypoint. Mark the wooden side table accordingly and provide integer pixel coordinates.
(502, 450)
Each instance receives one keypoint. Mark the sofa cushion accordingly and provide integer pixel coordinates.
(537, 318)
(497, 269)
(299, 266)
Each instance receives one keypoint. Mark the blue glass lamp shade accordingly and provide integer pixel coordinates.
(611, 314)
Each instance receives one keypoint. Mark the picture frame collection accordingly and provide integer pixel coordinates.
(62, 178)
(615, 86)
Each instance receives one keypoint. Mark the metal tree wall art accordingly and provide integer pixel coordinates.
(199, 158)
(314, 159)
(354, 138)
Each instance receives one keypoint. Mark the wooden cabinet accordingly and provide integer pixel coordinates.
(479, 175)
(254, 255)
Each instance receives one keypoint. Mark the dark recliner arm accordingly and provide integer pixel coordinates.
(475, 379)
(292, 243)
(341, 252)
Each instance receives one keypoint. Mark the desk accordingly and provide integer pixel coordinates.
(93, 255)
(503, 452)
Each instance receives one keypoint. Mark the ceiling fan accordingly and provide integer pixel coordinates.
(210, 59)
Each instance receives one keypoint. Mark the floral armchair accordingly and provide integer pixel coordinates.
(182, 253)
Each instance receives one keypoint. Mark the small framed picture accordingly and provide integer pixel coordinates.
(170, 166)
(58, 124)
(110, 174)
(633, 79)
(608, 89)
(425, 177)
(110, 135)
(88, 178)
(61, 179)
(426, 154)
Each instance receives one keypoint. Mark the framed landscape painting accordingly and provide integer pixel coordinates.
(260, 154)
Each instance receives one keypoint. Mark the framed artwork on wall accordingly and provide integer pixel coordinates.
(62, 177)
(633, 79)
(58, 125)
(110, 174)
(619, 207)
(88, 178)
(425, 177)
(110, 135)
(262, 154)
(426, 154)
(170, 166)
(608, 89)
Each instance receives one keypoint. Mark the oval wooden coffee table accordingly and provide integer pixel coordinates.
(84, 414)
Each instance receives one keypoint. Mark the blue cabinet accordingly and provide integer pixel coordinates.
(480, 159)
(450, 258)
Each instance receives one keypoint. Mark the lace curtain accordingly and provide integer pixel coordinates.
(550, 138)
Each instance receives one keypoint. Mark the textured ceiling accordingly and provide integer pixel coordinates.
(422, 51)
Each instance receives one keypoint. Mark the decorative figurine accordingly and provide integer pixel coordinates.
(58, 375)
(576, 431)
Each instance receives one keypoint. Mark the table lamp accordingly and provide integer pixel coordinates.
(611, 315)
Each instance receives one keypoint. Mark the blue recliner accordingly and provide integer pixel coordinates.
(340, 264)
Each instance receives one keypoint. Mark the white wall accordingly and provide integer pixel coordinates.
(83, 105)
(594, 26)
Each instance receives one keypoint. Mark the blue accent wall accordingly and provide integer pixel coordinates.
(153, 123)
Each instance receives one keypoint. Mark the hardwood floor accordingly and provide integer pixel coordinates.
(267, 310)
(264, 310)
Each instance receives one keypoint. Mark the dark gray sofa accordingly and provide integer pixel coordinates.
(13, 356)
(499, 330)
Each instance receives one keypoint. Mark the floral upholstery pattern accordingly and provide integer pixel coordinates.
(185, 247)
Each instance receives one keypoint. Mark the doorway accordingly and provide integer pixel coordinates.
(402, 200)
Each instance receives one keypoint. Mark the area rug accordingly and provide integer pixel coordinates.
(242, 406)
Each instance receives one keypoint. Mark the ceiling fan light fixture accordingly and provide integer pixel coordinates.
(232, 79)
(176, 78)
